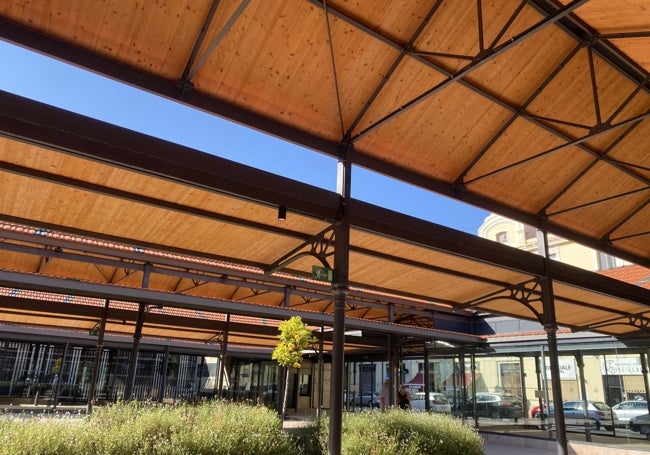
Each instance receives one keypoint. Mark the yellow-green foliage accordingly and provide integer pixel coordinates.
(215, 428)
(294, 337)
(405, 433)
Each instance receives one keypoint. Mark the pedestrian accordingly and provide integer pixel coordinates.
(404, 398)
(384, 396)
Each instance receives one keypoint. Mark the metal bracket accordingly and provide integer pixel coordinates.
(520, 292)
(321, 246)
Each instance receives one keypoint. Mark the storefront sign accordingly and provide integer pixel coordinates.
(567, 369)
(624, 366)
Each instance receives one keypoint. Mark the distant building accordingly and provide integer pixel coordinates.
(527, 238)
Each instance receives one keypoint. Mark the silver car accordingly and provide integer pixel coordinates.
(599, 413)
(625, 410)
(438, 402)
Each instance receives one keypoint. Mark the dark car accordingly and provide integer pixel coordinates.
(496, 405)
(640, 424)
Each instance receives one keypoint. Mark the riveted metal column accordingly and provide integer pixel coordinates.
(137, 334)
(321, 373)
(98, 354)
(583, 395)
(550, 326)
(549, 321)
(340, 291)
(644, 371)
(224, 356)
(524, 395)
(59, 376)
(427, 383)
(163, 376)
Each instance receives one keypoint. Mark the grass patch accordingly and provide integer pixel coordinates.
(215, 428)
(226, 428)
(405, 433)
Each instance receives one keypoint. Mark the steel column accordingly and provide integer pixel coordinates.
(137, 335)
(550, 326)
(339, 290)
(98, 353)
(583, 395)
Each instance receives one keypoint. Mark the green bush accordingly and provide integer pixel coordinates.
(215, 428)
(404, 433)
(225, 428)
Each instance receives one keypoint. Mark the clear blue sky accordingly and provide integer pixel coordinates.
(34, 76)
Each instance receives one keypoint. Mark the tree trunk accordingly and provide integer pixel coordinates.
(286, 390)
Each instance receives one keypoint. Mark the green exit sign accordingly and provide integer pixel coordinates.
(92, 332)
(322, 273)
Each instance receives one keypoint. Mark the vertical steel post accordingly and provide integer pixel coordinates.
(137, 335)
(550, 326)
(98, 353)
(644, 371)
(163, 383)
(427, 384)
(60, 375)
(340, 291)
(321, 373)
(583, 395)
(223, 356)
(549, 321)
(524, 395)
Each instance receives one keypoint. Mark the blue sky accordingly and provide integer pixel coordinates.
(40, 78)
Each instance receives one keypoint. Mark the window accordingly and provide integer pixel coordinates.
(530, 232)
(502, 237)
(510, 377)
(605, 261)
(305, 385)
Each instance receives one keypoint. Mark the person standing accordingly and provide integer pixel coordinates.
(404, 398)
(384, 396)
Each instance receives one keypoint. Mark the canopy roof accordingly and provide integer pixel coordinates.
(536, 110)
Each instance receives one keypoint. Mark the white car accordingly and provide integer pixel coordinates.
(625, 410)
(438, 402)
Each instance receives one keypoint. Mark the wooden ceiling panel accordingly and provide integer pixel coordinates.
(618, 21)
(636, 224)
(604, 212)
(521, 140)
(631, 152)
(636, 48)
(517, 74)
(441, 95)
(568, 97)
(131, 184)
(507, 307)
(397, 19)
(439, 137)
(409, 81)
(130, 32)
(273, 71)
(536, 181)
(408, 252)
(588, 190)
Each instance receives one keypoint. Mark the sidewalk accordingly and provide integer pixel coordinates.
(504, 444)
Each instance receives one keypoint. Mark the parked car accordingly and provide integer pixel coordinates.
(367, 399)
(496, 405)
(640, 424)
(598, 413)
(625, 410)
(438, 402)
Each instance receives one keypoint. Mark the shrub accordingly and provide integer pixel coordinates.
(405, 433)
(218, 428)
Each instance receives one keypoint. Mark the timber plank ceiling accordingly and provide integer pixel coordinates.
(537, 110)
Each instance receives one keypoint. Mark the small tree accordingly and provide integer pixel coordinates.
(294, 337)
